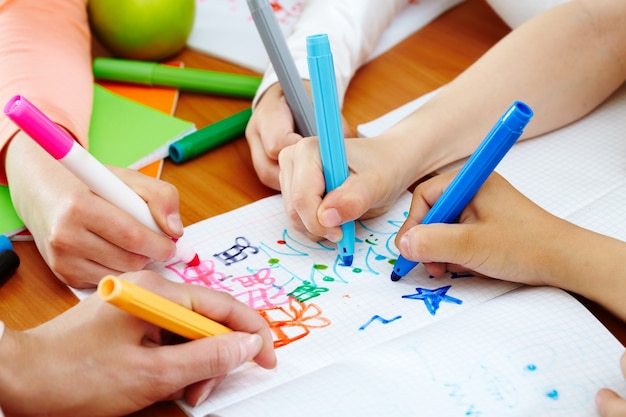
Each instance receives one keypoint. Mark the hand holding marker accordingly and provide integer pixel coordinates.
(473, 174)
(58, 143)
(157, 310)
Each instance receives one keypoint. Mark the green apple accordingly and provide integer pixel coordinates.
(142, 29)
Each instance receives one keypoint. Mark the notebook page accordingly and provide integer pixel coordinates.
(318, 309)
(530, 352)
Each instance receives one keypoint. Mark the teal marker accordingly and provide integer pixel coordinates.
(210, 137)
(329, 129)
(190, 79)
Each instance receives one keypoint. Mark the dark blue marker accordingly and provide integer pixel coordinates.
(473, 174)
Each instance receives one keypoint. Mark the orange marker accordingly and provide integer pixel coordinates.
(157, 310)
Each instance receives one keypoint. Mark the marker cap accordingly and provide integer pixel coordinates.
(56, 141)
(5, 243)
(318, 45)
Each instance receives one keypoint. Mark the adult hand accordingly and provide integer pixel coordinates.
(97, 360)
(81, 236)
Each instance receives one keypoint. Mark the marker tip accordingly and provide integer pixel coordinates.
(195, 261)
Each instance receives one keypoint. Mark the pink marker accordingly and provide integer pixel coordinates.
(58, 143)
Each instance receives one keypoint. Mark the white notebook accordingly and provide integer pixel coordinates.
(350, 341)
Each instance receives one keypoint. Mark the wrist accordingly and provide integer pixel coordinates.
(13, 387)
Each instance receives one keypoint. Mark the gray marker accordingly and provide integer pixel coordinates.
(282, 61)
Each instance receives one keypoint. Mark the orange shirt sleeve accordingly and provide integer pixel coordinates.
(45, 47)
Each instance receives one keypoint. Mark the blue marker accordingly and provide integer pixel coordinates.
(473, 174)
(329, 129)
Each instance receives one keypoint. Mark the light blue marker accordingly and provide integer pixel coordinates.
(329, 129)
(473, 174)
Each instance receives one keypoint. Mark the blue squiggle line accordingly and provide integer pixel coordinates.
(380, 319)
(336, 270)
(368, 256)
(316, 246)
(390, 246)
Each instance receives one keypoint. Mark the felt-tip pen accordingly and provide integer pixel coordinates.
(210, 137)
(190, 79)
(9, 261)
(160, 311)
(58, 143)
(473, 174)
(329, 129)
(290, 81)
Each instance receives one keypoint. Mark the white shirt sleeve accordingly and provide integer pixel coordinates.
(516, 12)
(353, 28)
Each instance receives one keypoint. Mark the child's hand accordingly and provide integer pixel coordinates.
(270, 129)
(370, 190)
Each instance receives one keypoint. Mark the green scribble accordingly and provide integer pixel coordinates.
(273, 261)
(307, 291)
(320, 267)
(357, 270)
(328, 278)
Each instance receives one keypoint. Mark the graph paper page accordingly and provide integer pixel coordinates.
(319, 310)
(529, 352)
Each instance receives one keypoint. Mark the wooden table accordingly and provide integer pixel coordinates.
(224, 179)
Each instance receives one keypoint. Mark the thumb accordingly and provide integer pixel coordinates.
(610, 404)
(214, 357)
(437, 242)
(351, 201)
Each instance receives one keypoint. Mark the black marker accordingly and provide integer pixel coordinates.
(9, 261)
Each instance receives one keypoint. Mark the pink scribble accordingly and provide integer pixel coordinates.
(204, 274)
(261, 292)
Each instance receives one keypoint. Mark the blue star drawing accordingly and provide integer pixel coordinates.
(432, 298)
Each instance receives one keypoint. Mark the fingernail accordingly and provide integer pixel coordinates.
(330, 218)
(203, 397)
(249, 346)
(334, 236)
(175, 224)
(403, 245)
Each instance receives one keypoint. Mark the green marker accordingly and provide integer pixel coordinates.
(210, 137)
(190, 79)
